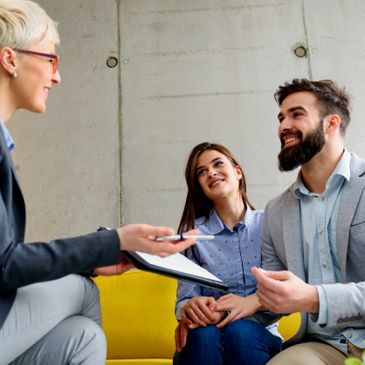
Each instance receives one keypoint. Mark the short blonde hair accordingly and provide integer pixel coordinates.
(24, 23)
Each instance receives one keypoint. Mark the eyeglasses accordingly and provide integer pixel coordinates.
(53, 59)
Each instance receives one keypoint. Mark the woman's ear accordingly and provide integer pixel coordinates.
(239, 173)
(8, 60)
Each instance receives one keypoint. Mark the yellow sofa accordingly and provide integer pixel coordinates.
(139, 321)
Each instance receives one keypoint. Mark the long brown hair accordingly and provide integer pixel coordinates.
(197, 204)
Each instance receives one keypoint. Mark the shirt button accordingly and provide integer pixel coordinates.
(321, 231)
(321, 198)
(349, 334)
(324, 264)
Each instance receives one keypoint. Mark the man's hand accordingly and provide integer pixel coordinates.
(140, 237)
(199, 312)
(237, 307)
(121, 267)
(284, 292)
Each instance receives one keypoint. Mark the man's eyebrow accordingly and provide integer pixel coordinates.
(291, 110)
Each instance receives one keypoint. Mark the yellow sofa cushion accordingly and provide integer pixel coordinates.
(138, 317)
(289, 325)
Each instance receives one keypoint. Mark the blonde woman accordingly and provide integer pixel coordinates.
(49, 308)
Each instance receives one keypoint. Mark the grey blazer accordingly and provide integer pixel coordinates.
(22, 264)
(282, 249)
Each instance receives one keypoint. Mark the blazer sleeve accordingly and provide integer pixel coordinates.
(345, 305)
(26, 263)
(346, 300)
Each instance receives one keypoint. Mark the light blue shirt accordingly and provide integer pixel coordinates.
(318, 225)
(8, 139)
(229, 256)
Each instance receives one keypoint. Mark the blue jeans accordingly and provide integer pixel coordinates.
(241, 342)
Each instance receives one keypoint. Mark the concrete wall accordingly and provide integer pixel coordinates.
(113, 144)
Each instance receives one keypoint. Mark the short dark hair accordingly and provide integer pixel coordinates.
(331, 97)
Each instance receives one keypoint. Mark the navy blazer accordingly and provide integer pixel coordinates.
(22, 264)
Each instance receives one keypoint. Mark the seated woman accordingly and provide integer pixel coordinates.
(215, 327)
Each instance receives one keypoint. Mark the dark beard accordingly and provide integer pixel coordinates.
(292, 157)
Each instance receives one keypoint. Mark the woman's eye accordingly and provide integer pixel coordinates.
(200, 172)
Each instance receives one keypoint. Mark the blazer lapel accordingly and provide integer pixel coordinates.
(292, 235)
(350, 197)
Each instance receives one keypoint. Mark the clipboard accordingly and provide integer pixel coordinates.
(176, 266)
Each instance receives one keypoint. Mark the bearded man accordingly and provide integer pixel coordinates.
(314, 232)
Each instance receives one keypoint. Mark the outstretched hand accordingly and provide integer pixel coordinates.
(141, 237)
(284, 292)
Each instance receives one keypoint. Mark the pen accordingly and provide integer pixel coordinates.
(180, 237)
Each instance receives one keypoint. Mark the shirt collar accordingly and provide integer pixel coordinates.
(343, 167)
(342, 170)
(216, 226)
(8, 139)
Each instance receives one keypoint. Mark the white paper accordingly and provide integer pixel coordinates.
(179, 263)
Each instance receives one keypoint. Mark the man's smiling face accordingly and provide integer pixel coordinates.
(300, 131)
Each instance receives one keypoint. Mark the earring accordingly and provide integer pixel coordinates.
(14, 75)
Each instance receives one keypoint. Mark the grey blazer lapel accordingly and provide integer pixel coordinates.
(349, 200)
(292, 235)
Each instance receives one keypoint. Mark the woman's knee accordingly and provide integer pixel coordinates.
(203, 336)
(75, 340)
(84, 336)
(243, 328)
(203, 347)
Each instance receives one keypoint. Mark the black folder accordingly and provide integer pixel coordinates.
(176, 266)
